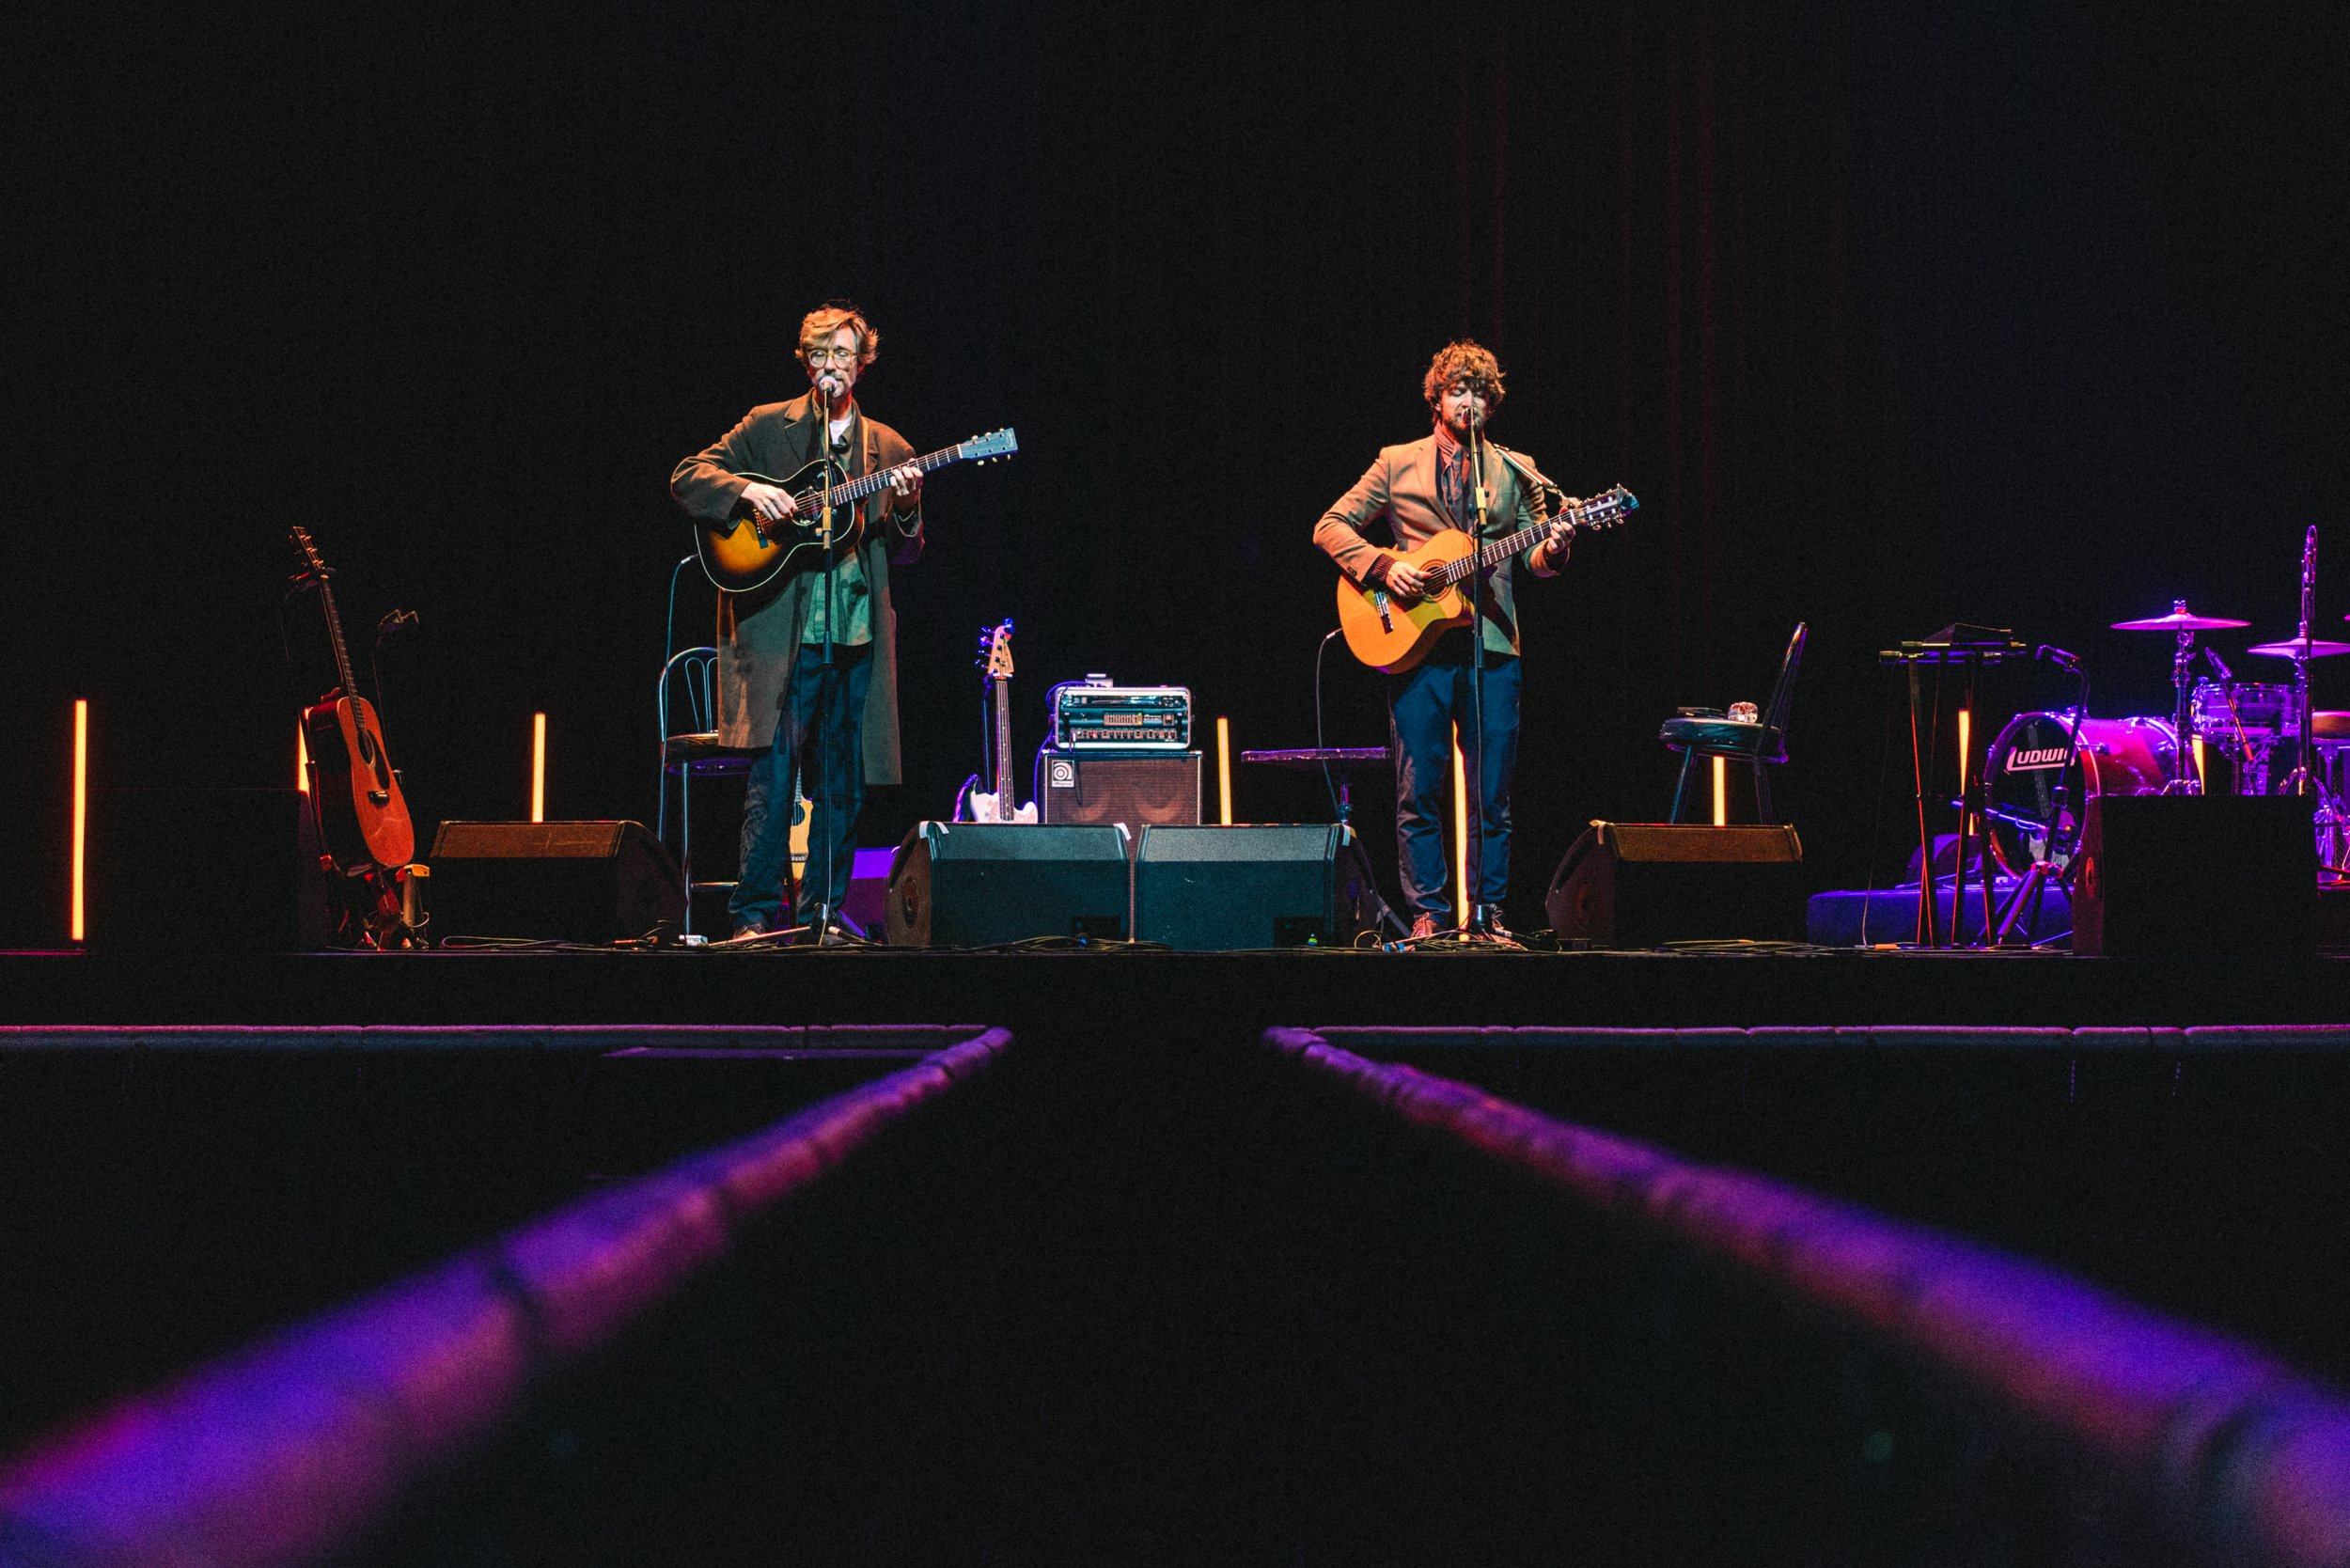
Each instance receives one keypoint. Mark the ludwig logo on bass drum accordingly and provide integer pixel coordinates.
(2038, 757)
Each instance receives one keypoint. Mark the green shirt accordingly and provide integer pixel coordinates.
(851, 591)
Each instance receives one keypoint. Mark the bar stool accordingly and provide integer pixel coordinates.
(1759, 742)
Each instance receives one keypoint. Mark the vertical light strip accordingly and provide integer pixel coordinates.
(2201, 782)
(301, 759)
(1965, 741)
(538, 767)
(1721, 792)
(81, 805)
(1224, 770)
(1460, 831)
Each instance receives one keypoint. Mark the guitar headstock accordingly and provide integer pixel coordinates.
(1606, 508)
(996, 444)
(995, 652)
(301, 536)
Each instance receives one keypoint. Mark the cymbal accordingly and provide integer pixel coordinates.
(2179, 620)
(2300, 648)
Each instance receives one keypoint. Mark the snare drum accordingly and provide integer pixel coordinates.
(2242, 711)
(2037, 796)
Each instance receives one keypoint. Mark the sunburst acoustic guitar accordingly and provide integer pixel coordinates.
(744, 553)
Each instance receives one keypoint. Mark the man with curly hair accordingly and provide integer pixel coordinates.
(1419, 488)
(815, 729)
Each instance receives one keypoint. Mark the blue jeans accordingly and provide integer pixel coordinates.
(1422, 709)
(820, 738)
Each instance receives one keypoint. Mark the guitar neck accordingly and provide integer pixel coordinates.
(856, 490)
(335, 636)
(1499, 550)
(1003, 742)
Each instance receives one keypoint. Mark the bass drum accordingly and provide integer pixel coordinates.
(2036, 798)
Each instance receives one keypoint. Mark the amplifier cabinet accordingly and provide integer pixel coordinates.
(1219, 889)
(1133, 789)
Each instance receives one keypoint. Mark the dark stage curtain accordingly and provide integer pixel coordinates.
(1890, 318)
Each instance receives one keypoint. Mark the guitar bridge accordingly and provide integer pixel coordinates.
(1379, 603)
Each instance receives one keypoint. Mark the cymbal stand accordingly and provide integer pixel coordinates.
(2183, 780)
(2303, 779)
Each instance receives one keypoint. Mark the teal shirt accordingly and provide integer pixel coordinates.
(850, 589)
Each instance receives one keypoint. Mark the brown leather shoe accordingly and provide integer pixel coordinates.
(1423, 928)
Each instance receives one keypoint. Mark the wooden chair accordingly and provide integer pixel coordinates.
(1759, 742)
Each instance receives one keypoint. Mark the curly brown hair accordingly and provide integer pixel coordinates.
(827, 319)
(1464, 359)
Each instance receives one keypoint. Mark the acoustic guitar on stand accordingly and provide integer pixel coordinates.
(1393, 634)
(363, 818)
(745, 553)
(996, 659)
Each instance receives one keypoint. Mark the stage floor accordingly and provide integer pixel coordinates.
(1126, 990)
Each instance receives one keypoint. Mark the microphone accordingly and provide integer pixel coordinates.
(398, 621)
(2218, 666)
(2059, 658)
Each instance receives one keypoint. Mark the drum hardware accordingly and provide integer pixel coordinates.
(2305, 779)
(2185, 625)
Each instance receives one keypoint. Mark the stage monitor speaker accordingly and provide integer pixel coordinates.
(972, 885)
(1640, 884)
(1134, 789)
(2176, 876)
(1218, 889)
(205, 870)
(561, 882)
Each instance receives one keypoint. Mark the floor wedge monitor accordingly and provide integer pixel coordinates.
(565, 881)
(1220, 889)
(1640, 884)
(2176, 876)
(975, 885)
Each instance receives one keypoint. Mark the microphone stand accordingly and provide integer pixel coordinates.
(1472, 922)
(827, 682)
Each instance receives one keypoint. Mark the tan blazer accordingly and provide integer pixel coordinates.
(759, 632)
(1400, 487)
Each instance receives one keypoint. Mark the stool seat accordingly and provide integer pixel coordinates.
(1724, 737)
(2329, 727)
(706, 756)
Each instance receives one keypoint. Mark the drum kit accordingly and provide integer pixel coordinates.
(2045, 767)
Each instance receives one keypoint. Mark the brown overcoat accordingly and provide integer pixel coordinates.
(759, 633)
(1402, 487)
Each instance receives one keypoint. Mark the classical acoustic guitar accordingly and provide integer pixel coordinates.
(1394, 633)
(747, 552)
(363, 818)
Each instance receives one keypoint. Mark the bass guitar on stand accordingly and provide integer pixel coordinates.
(996, 659)
(1393, 634)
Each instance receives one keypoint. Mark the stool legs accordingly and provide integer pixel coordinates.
(1681, 790)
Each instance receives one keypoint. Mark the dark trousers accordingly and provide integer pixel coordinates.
(820, 747)
(1422, 709)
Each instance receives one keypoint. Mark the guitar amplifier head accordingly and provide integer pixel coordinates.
(1090, 716)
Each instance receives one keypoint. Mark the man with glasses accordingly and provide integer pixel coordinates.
(814, 723)
(1420, 488)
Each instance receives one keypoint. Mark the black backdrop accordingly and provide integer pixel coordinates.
(1890, 319)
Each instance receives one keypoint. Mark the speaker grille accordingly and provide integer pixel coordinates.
(1136, 790)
